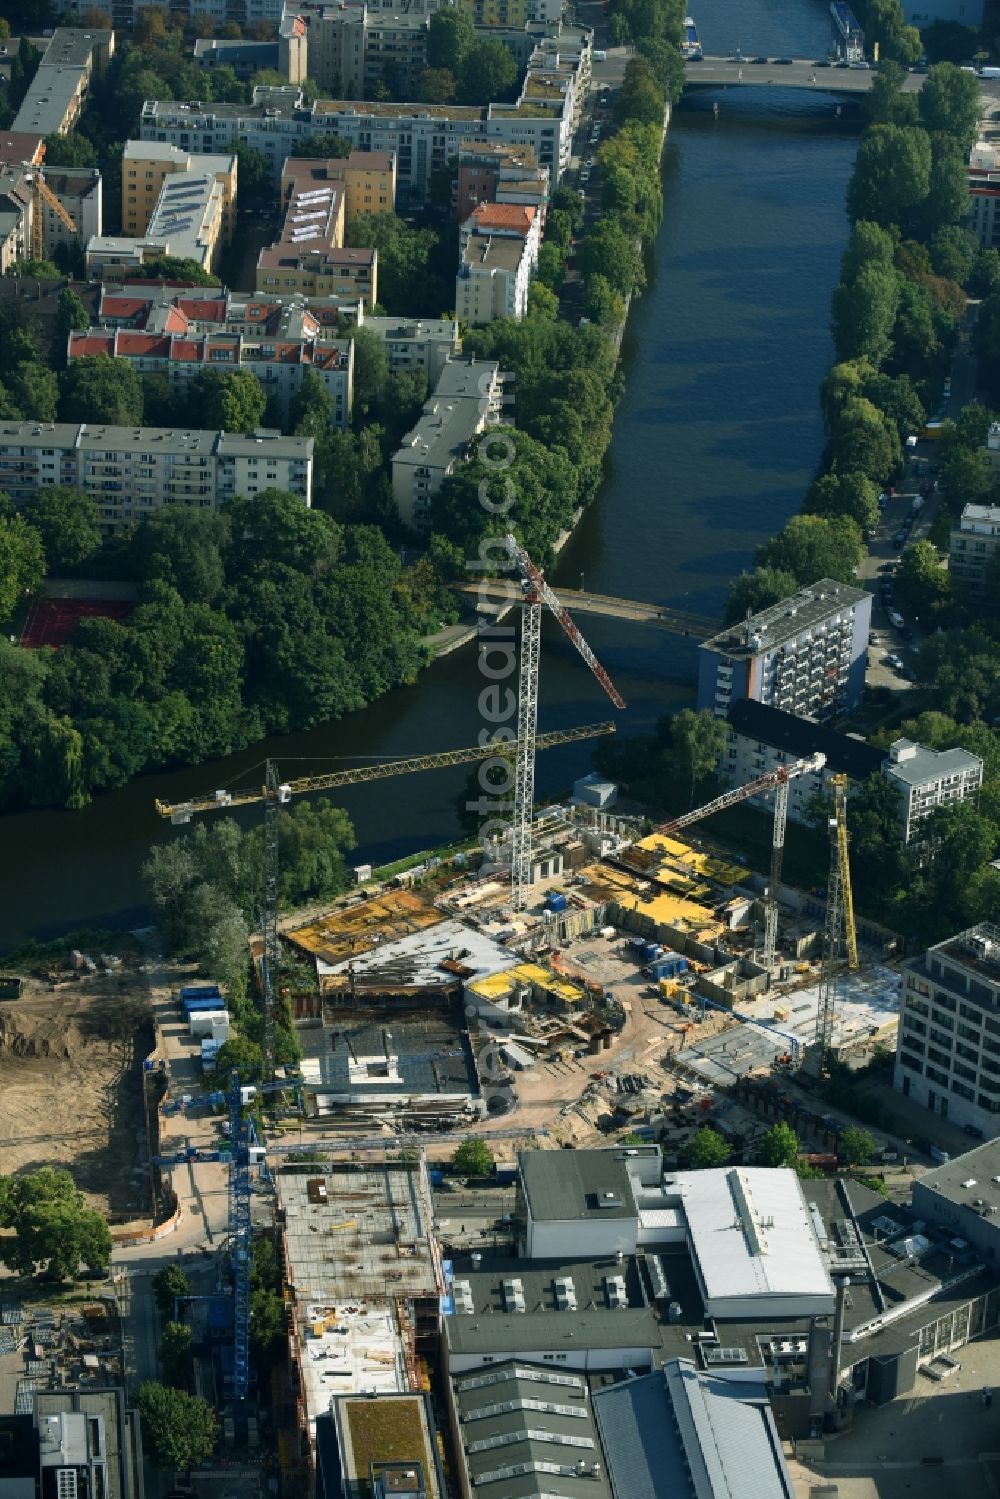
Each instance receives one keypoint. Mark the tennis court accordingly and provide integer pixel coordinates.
(52, 621)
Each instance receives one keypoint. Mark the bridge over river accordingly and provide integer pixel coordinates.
(796, 72)
(678, 621)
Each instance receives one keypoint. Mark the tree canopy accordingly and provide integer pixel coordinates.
(53, 1228)
(179, 1430)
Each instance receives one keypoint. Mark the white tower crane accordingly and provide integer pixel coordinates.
(535, 592)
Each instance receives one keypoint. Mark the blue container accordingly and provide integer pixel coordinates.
(556, 902)
(668, 965)
(436, 1178)
(200, 991)
(200, 1006)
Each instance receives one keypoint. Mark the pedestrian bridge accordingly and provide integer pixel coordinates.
(797, 72)
(581, 601)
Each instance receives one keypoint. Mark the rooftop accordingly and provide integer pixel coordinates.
(493, 252)
(681, 1432)
(971, 1180)
(20, 147)
(156, 440)
(361, 1060)
(561, 1186)
(452, 417)
(528, 1430)
(499, 216)
(354, 1231)
(752, 1235)
(770, 628)
(983, 514)
(800, 737)
(977, 949)
(391, 1429)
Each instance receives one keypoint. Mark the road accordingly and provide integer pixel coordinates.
(800, 72)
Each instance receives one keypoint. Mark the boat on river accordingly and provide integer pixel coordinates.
(691, 44)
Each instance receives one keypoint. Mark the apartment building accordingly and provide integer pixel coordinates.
(760, 739)
(278, 354)
(421, 137)
(21, 148)
(132, 471)
(56, 94)
(146, 165)
(80, 193)
(984, 194)
(314, 214)
(493, 279)
(807, 654)
(420, 343)
(466, 400)
(926, 779)
(494, 173)
(367, 179)
(290, 270)
(948, 1050)
(354, 46)
(974, 543)
(16, 211)
(288, 54)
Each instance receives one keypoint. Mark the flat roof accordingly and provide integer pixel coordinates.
(771, 627)
(977, 949)
(390, 1429)
(680, 1431)
(802, 737)
(752, 1234)
(979, 1166)
(563, 1185)
(452, 416)
(493, 252)
(374, 1058)
(129, 440)
(366, 1234)
(533, 1332)
(927, 764)
(528, 1430)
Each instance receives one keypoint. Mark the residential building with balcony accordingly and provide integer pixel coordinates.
(806, 655)
(976, 540)
(948, 1050)
(418, 343)
(294, 270)
(493, 279)
(133, 471)
(80, 191)
(492, 173)
(466, 400)
(926, 779)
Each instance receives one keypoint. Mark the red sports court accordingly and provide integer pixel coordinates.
(52, 621)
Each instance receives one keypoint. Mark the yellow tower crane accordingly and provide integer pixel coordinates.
(273, 794)
(42, 194)
(841, 932)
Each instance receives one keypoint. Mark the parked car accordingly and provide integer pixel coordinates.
(973, 1130)
(896, 662)
(899, 539)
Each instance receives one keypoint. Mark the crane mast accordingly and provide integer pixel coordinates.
(535, 592)
(840, 931)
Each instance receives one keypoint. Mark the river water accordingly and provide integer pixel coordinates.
(715, 440)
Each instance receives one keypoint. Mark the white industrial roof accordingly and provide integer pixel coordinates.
(751, 1234)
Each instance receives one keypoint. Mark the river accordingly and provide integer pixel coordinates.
(715, 440)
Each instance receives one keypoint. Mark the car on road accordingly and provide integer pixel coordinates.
(896, 662)
(973, 1130)
(590, 162)
(899, 539)
(887, 567)
(757, 59)
(585, 175)
(784, 62)
(873, 639)
(859, 64)
(822, 62)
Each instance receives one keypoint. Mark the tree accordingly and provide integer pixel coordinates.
(813, 547)
(856, 1146)
(949, 103)
(169, 1285)
(473, 1157)
(868, 244)
(780, 1146)
(437, 85)
(708, 1149)
(488, 72)
(22, 562)
(606, 250)
(752, 592)
(844, 494)
(66, 520)
(184, 548)
(100, 389)
(254, 170)
(175, 1354)
(34, 390)
(69, 150)
(231, 402)
(241, 1055)
(864, 313)
(697, 741)
(862, 439)
(371, 366)
(450, 36)
(551, 269)
(179, 1430)
(920, 583)
(53, 1228)
(72, 316)
(892, 174)
(953, 252)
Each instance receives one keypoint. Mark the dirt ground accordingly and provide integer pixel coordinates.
(71, 1084)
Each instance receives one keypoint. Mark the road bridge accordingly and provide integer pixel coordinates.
(796, 72)
(678, 621)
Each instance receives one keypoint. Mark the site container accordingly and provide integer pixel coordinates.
(669, 964)
(556, 901)
(200, 991)
(203, 1006)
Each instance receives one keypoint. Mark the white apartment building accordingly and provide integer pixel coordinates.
(974, 543)
(493, 279)
(948, 1051)
(760, 739)
(133, 471)
(807, 654)
(189, 222)
(422, 343)
(466, 400)
(422, 137)
(926, 779)
(80, 191)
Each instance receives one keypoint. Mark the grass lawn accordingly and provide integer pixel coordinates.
(385, 1430)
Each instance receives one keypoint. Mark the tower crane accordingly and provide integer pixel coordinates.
(534, 592)
(840, 931)
(777, 781)
(42, 194)
(238, 1155)
(274, 794)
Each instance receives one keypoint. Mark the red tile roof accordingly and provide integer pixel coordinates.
(516, 216)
